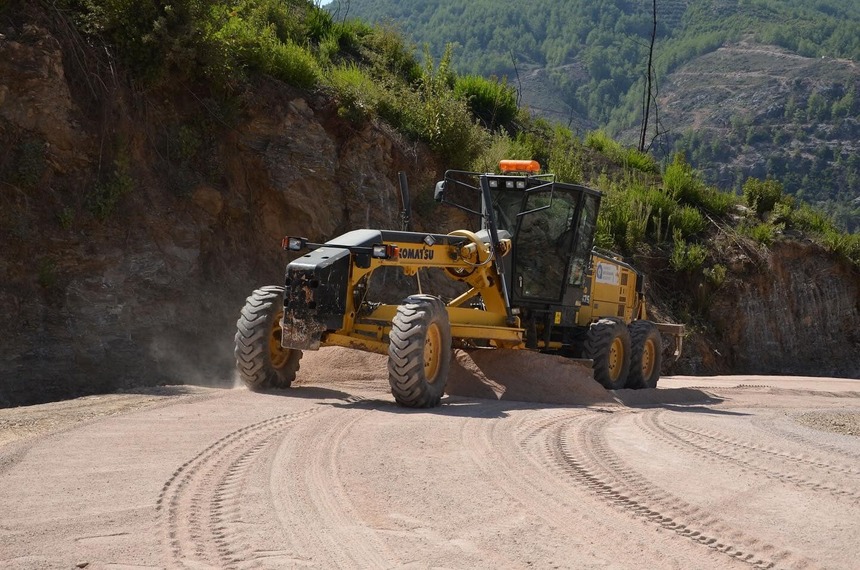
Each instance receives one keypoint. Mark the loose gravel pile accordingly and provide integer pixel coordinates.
(846, 423)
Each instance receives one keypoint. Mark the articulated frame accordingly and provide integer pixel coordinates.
(466, 257)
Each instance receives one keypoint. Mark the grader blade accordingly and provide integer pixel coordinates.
(524, 376)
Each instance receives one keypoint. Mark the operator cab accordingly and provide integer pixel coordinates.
(552, 225)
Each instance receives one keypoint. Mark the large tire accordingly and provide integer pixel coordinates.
(261, 361)
(419, 353)
(608, 345)
(646, 355)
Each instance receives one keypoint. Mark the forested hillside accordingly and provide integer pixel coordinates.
(583, 63)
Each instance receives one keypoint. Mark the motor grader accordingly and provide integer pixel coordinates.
(532, 280)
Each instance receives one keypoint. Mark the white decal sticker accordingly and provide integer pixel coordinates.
(608, 273)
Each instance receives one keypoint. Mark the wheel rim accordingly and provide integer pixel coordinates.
(649, 352)
(616, 357)
(432, 346)
(277, 354)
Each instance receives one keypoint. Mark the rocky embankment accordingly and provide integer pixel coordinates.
(124, 266)
(134, 223)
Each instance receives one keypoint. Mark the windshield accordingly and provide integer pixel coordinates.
(543, 243)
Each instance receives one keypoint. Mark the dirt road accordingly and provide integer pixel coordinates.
(727, 472)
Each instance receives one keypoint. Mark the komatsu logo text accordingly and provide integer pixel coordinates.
(406, 253)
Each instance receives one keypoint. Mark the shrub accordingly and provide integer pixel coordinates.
(716, 202)
(809, 219)
(688, 221)
(106, 194)
(388, 53)
(540, 138)
(716, 275)
(357, 93)
(446, 122)
(219, 40)
(626, 157)
(762, 195)
(659, 204)
(47, 276)
(262, 51)
(601, 142)
(687, 257)
(493, 103)
(846, 245)
(565, 156)
(680, 181)
(66, 218)
(500, 147)
(642, 161)
(684, 184)
(763, 233)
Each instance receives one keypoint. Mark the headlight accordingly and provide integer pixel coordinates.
(385, 251)
(294, 243)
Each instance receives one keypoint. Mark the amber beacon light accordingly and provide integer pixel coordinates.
(519, 166)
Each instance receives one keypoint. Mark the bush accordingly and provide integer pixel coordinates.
(106, 194)
(809, 219)
(684, 184)
(219, 40)
(764, 233)
(687, 257)
(262, 51)
(762, 195)
(357, 93)
(641, 161)
(389, 54)
(446, 122)
(716, 275)
(626, 157)
(680, 181)
(493, 103)
(687, 221)
(500, 147)
(30, 162)
(602, 143)
(565, 156)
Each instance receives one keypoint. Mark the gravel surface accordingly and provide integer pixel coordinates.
(722, 472)
(846, 423)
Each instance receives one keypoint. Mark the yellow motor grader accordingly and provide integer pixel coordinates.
(532, 281)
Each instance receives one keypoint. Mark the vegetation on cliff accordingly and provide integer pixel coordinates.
(688, 235)
(584, 62)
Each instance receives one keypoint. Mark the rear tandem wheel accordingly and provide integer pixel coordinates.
(608, 345)
(646, 355)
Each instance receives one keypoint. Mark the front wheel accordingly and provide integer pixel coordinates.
(646, 355)
(260, 359)
(608, 346)
(419, 353)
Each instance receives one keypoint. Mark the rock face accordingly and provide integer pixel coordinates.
(131, 239)
(797, 312)
(134, 226)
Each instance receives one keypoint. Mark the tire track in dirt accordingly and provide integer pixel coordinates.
(752, 447)
(582, 449)
(54, 419)
(525, 459)
(199, 503)
(715, 446)
(321, 526)
(770, 424)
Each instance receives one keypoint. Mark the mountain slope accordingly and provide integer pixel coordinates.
(749, 109)
(583, 63)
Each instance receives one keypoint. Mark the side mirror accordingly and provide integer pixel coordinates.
(439, 194)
